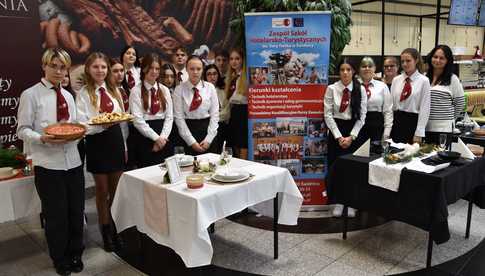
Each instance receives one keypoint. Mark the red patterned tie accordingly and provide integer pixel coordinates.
(126, 101)
(196, 100)
(406, 91)
(131, 80)
(179, 76)
(62, 109)
(155, 107)
(105, 103)
(367, 89)
(345, 100)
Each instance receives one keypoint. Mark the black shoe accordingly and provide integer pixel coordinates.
(77, 265)
(63, 270)
(107, 234)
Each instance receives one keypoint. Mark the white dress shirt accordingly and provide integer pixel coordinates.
(224, 106)
(418, 102)
(86, 110)
(185, 75)
(135, 71)
(37, 110)
(381, 101)
(142, 116)
(209, 108)
(237, 98)
(331, 102)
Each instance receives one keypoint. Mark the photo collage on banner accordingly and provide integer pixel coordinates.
(287, 61)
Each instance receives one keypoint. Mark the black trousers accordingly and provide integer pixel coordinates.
(62, 197)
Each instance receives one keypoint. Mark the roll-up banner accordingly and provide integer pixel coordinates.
(287, 65)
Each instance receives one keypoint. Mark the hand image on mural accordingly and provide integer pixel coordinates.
(151, 25)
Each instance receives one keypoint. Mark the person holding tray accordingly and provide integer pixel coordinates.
(105, 147)
(59, 176)
(345, 107)
(196, 110)
(151, 105)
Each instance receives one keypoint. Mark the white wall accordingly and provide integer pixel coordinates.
(405, 29)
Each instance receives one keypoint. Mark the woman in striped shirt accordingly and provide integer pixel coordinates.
(447, 96)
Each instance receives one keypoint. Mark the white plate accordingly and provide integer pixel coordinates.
(9, 175)
(242, 176)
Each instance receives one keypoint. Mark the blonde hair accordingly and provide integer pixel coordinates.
(232, 74)
(91, 85)
(52, 53)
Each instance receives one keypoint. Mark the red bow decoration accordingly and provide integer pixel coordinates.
(345, 100)
(196, 100)
(105, 104)
(155, 107)
(62, 109)
(407, 89)
(131, 80)
(179, 76)
(126, 101)
(367, 89)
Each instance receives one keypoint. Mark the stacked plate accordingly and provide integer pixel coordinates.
(230, 176)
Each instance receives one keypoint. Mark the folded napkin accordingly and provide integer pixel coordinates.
(463, 149)
(364, 150)
(384, 175)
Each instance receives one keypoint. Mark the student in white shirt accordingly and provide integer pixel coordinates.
(237, 94)
(129, 58)
(196, 110)
(59, 177)
(447, 95)
(345, 107)
(151, 104)
(212, 75)
(119, 80)
(411, 100)
(168, 76)
(378, 120)
(179, 60)
(391, 69)
(105, 147)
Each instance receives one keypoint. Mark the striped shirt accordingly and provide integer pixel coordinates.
(447, 104)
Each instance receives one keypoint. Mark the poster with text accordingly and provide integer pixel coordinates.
(287, 61)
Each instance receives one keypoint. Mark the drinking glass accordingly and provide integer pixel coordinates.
(443, 138)
(179, 152)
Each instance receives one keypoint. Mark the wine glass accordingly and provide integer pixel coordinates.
(443, 138)
(179, 153)
(227, 156)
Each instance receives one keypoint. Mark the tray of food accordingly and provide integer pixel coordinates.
(110, 118)
(66, 131)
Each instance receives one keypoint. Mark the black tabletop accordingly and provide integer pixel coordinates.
(473, 139)
(422, 198)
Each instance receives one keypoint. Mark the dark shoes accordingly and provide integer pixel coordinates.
(63, 270)
(107, 234)
(77, 265)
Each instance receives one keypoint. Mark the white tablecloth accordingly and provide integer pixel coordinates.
(18, 198)
(190, 212)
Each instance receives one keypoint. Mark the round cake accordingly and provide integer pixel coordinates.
(68, 131)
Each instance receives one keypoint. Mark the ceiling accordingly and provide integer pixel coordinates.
(409, 7)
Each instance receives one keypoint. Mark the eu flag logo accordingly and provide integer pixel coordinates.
(298, 22)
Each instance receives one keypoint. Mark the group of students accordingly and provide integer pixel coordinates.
(408, 107)
(182, 103)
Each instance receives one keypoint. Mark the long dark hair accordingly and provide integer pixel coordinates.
(220, 81)
(445, 77)
(124, 83)
(165, 67)
(355, 94)
(137, 62)
(147, 61)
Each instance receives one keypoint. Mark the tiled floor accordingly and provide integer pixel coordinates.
(386, 249)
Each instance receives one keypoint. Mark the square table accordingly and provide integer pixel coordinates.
(18, 198)
(184, 214)
(421, 200)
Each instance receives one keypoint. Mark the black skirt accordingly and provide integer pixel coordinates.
(373, 127)
(131, 145)
(105, 151)
(198, 128)
(238, 125)
(334, 149)
(144, 156)
(404, 127)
